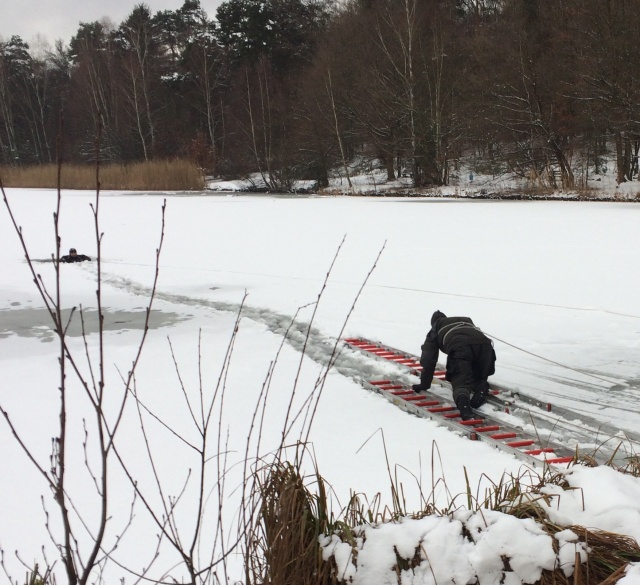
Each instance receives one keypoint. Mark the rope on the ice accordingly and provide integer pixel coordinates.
(502, 300)
(607, 380)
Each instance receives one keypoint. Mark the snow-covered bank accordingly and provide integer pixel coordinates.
(466, 185)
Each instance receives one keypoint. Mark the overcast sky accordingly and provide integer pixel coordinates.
(59, 19)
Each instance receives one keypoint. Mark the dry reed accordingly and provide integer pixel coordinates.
(155, 175)
(606, 560)
(292, 519)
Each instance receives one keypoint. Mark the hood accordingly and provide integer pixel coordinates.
(436, 317)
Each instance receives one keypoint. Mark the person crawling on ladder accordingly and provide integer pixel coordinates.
(471, 359)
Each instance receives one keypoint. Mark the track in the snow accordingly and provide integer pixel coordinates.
(560, 427)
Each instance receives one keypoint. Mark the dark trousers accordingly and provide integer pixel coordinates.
(469, 366)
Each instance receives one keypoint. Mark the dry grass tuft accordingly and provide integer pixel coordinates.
(631, 466)
(35, 578)
(608, 557)
(292, 519)
(155, 175)
(608, 553)
(293, 515)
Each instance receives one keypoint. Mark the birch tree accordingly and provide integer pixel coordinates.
(138, 52)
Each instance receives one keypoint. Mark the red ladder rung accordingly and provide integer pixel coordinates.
(539, 451)
(523, 443)
(487, 429)
(414, 398)
(402, 393)
(504, 436)
(428, 403)
(392, 387)
(471, 422)
(441, 409)
(559, 460)
(379, 382)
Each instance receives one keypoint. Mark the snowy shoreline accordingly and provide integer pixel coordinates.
(501, 188)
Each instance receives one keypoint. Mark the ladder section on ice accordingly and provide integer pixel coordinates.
(479, 428)
(392, 355)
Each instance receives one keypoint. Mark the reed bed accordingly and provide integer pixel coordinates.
(294, 510)
(154, 175)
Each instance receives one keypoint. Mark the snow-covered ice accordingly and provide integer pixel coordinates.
(555, 283)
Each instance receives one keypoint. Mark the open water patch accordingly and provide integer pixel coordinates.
(37, 323)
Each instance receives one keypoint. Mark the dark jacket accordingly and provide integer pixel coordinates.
(76, 258)
(445, 335)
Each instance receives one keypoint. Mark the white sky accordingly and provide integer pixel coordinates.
(56, 19)
(552, 278)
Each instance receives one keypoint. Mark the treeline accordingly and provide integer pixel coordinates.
(294, 88)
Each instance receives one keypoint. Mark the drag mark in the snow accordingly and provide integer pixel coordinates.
(300, 335)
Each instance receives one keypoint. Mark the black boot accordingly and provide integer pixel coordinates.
(480, 394)
(464, 406)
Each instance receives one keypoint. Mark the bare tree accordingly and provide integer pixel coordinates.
(605, 49)
(336, 123)
(528, 102)
(97, 82)
(136, 38)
